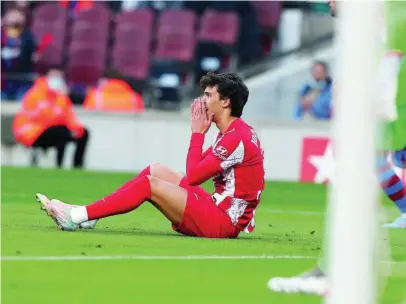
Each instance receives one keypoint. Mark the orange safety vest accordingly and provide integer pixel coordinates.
(114, 96)
(79, 6)
(41, 109)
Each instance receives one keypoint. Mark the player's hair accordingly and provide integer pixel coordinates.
(229, 85)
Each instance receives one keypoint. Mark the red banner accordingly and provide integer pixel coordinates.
(317, 162)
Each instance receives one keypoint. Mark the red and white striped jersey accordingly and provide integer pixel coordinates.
(235, 161)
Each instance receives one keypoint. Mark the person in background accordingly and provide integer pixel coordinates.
(18, 53)
(46, 118)
(26, 7)
(316, 96)
(113, 94)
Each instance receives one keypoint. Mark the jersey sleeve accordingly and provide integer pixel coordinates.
(224, 154)
(205, 153)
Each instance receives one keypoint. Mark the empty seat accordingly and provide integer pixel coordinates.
(132, 63)
(219, 27)
(134, 29)
(99, 13)
(89, 35)
(50, 21)
(141, 18)
(175, 39)
(50, 12)
(176, 46)
(217, 40)
(131, 49)
(85, 65)
(98, 17)
(268, 14)
(176, 21)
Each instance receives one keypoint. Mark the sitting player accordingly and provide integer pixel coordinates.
(234, 162)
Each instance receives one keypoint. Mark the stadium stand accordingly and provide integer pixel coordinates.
(163, 48)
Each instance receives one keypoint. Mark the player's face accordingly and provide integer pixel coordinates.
(214, 104)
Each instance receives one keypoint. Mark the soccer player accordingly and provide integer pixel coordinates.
(234, 162)
(393, 111)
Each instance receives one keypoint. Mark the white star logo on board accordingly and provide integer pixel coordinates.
(324, 165)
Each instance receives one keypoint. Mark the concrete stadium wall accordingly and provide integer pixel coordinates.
(128, 142)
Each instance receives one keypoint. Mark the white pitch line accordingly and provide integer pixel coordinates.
(157, 257)
(293, 212)
(166, 257)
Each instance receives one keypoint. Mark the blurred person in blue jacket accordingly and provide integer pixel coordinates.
(18, 52)
(316, 95)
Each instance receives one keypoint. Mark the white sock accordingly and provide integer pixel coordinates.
(79, 215)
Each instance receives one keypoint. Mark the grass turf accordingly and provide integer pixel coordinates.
(281, 230)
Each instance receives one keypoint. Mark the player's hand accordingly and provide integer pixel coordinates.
(200, 122)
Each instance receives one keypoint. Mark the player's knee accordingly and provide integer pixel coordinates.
(154, 182)
(165, 174)
(156, 169)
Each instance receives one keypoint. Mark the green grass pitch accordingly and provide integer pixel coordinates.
(289, 223)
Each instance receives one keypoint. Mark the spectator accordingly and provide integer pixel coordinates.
(113, 94)
(46, 118)
(17, 55)
(24, 6)
(316, 96)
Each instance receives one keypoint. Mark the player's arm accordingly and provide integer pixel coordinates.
(199, 169)
(205, 153)
(227, 153)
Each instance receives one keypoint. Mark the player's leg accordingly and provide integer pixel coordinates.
(393, 186)
(159, 171)
(314, 280)
(168, 198)
(155, 170)
(399, 158)
(164, 173)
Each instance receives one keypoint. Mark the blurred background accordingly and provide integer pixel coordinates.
(112, 59)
